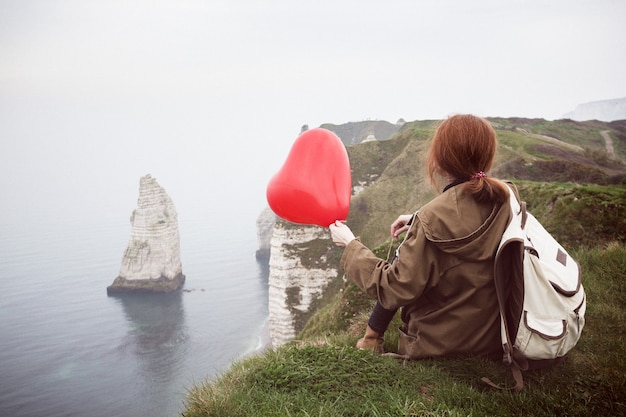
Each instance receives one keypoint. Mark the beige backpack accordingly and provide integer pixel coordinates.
(541, 297)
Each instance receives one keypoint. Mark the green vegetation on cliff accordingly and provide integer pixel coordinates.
(321, 373)
(396, 180)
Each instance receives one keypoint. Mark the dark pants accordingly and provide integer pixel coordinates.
(380, 318)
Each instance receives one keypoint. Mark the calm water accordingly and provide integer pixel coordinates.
(66, 349)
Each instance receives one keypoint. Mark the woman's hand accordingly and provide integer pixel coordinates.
(400, 225)
(341, 234)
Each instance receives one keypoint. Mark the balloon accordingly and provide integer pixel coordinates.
(314, 185)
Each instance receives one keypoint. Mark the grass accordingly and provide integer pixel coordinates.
(579, 214)
(321, 374)
(585, 134)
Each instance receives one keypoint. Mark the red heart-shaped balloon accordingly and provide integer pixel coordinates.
(314, 185)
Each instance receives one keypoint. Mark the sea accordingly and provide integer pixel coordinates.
(69, 349)
(70, 168)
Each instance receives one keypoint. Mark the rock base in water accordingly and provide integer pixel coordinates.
(159, 285)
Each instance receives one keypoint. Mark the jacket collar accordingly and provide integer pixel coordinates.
(454, 183)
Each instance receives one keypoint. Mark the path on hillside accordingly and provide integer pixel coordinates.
(552, 140)
(609, 143)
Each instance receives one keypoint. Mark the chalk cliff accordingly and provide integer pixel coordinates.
(151, 262)
(299, 274)
(264, 229)
(605, 110)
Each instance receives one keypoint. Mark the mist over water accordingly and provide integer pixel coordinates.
(68, 349)
(70, 181)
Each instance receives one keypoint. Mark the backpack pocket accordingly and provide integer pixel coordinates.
(541, 337)
(552, 320)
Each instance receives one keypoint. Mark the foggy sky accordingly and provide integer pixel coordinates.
(208, 96)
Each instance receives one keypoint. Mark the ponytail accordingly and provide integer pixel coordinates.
(485, 189)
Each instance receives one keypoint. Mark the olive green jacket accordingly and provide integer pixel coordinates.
(442, 279)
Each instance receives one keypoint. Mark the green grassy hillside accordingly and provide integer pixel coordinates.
(321, 373)
(396, 179)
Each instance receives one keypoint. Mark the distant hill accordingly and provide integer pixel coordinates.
(604, 110)
(357, 132)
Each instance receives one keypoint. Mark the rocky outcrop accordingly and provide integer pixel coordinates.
(352, 133)
(299, 275)
(151, 262)
(264, 228)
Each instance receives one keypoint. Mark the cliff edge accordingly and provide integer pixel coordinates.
(300, 272)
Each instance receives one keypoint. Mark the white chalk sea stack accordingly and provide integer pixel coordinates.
(264, 229)
(151, 262)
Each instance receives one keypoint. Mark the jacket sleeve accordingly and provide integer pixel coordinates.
(398, 284)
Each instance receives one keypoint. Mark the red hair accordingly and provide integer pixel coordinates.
(464, 147)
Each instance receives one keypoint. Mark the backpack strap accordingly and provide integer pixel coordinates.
(523, 213)
(516, 201)
(517, 377)
(508, 270)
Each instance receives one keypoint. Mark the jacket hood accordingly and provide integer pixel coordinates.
(459, 225)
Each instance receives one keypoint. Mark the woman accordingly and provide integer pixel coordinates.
(443, 276)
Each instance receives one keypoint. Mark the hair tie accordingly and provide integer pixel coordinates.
(479, 174)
